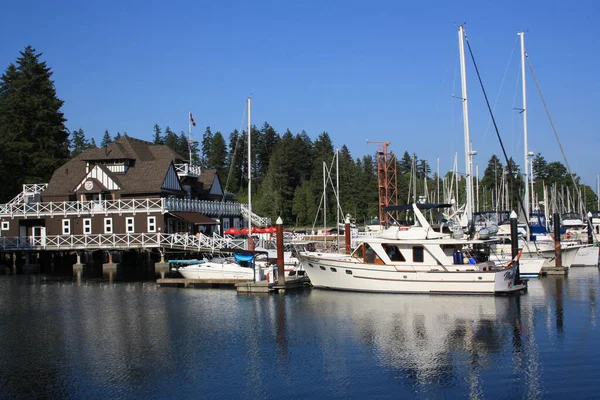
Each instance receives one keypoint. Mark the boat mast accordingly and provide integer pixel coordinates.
(525, 139)
(465, 107)
(249, 174)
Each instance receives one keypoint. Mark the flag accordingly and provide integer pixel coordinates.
(192, 120)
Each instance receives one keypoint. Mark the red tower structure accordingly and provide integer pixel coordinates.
(387, 181)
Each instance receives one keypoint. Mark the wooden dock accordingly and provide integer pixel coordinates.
(266, 287)
(182, 282)
(241, 285)
(555, 270)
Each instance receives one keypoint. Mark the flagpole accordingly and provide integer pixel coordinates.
(190, 136)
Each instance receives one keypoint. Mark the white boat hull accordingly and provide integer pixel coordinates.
(217, 271)
(332, 273)
(528, 267)
(586, 257)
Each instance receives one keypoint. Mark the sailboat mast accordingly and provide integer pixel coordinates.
(465, 107)
(525, 139)
(249, 169)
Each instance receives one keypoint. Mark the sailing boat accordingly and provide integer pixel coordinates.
(544, 244)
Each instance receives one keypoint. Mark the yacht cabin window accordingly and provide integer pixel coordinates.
(418, 254)
(393, 252)
(366, 253)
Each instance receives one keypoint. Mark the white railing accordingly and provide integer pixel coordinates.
(121, 241)
(206, 207)
(29, 190)
(78, 208)
(256, 219)
(188, 170)
(131, 206)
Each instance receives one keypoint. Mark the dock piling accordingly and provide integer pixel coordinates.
(280, 260)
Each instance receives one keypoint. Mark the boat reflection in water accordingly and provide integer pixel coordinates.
(428, 341)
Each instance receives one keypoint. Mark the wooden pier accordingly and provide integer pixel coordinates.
(183, 282)
(555, 271)
(266, 287)
(240, 285)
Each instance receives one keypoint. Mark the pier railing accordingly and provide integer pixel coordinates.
(127, 206)
(199, 242)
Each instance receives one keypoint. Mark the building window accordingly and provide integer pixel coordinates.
(418, 254)
(87, 226)
(151, 224)
(108, 226)
(66, 226)
(129, 225)
(226, 224)
(5, 225)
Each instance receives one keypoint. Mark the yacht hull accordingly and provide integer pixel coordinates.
(338, 273)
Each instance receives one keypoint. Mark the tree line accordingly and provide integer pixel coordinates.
(286, 169)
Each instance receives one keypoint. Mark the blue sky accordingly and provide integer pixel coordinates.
(358, 70)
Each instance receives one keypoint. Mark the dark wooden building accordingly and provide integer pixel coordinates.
(128, 187)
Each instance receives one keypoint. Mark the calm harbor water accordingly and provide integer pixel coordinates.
(137, 340)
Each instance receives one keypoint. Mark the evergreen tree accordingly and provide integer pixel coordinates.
(78, 142)
(158, 139)
(423, 169)
(405, 164)
(33, 136)
(92, 144)
(217, 155)
(106, 139)
(183, 147)
(540, 167)
(172, 140)
(235, 160)
(267, 140)
(117, 136)
(492, 175)
(206, 143)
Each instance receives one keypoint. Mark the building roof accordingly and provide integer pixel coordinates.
(207, 178)
(148, 166)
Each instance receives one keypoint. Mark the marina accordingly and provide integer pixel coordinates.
(172, 253)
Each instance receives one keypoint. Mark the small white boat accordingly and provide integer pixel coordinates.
(218, 268)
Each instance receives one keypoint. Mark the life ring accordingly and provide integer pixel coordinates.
(568, 236)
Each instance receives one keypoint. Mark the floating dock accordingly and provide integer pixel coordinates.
(182, 282)
(241, 285)
(555, 271)
(266, 287)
